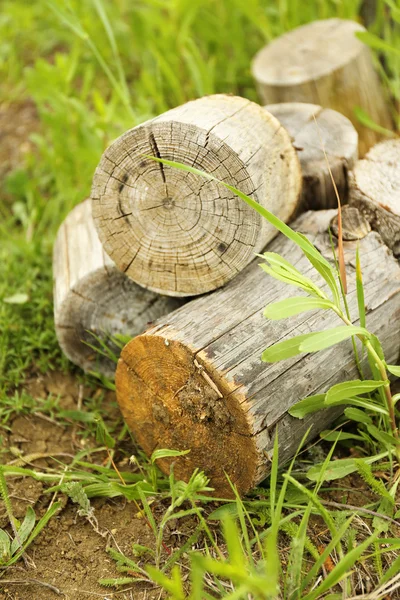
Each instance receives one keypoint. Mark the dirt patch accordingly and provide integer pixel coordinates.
(69, 554)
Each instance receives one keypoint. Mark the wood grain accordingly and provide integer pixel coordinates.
(174, 232)
(375, 191)
(92, 297)
(314, 129)
(324, 63)
(196, 380)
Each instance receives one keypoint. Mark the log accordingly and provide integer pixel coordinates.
(375, 191)
(313, 129)
(196, 380)
(324, 63)
(174, 232)
(91, 296)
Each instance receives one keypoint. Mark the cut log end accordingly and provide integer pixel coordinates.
(175, 232)
(314, 130)
(375, 191)
(170, 400)
(324, 63)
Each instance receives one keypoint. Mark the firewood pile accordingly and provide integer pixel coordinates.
(166, 258)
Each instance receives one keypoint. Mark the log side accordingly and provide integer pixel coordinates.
(196, 380)
(375, 191)
(92, 297)
(324, 63)
(314, 129)
(174, 232)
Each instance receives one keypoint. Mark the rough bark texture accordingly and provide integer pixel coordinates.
(196, 380)
(375, 191)
(314, 129)
(92, 296)
(175, 232)
(324, 63)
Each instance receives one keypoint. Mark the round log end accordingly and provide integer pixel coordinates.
(169, 400)
(375, 190)
(175, 232)
(308, 52)
(325, 140)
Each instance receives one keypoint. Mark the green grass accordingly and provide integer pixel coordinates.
(94, 69)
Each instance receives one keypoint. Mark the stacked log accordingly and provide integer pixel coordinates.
(195, 381)
(93, 299)
(375, 191)
(175, 233)
(324, 63)
(194, 378)
(325, 141)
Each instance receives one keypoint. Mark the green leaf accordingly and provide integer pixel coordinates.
(354, 414)
(330, 337)
(293, 306)
(364, 118)
(373, 41)
(339, 436)
(308, 405)
(41, 524)
(102, 435)
(382, 437)
(25, 530)
(297, 555)
(283, 270)
(286, 349)
(394, 370)
(5, 547)
(350, 389)
(340, 468)
(326, 273)
(326, 552)
(17, 299)
(165, 453)
(360, 289)
(363, 403)
(341, 570)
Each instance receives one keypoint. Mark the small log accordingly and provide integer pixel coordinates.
(196, 380)
(92, 297)
(324, 63)
(313, 129)
(375, 191)
(174, 232)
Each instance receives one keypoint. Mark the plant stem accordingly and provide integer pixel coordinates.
(382, 369)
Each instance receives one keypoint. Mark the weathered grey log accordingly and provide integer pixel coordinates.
(92, 297)
(324, 63)
(196, 380)
(174, 232)
(375, 190)
(313, 129)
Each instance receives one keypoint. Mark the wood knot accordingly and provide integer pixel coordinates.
(354, 224)
(168, 203)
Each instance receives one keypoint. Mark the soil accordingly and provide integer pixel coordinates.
(69, 554)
